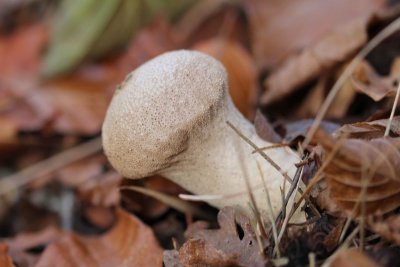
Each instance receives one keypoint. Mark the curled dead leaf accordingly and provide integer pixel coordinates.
(371, 129)
(365, 80)
(335, 48)
(242, 72)
(363, 172)
(128, 243)
(234, 244)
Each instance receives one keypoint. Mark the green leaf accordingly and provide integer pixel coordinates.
(90, 29)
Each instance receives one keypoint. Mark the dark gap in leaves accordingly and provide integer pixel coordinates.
(82, 225)
(362, 107)
(239, 231)
(36, 250)
(383, 55)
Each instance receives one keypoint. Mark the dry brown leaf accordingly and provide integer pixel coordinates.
(281, 27)
(371, 129)
(388, 228)
(226, 246)
(370, 164)
(242, 72)
(293, 131)
(128, 243)
(99, 216)
(365, 80)
(26, 241)
(335, 48)
(18, 57)
(5, 259)
(352, 258)
(81, 171)
(75, 104)
(20, 245)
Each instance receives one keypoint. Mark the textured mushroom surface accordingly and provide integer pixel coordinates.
(169, 117)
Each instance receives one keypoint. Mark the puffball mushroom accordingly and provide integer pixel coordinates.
(169, 118)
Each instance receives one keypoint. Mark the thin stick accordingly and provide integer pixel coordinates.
(382, 35)
(396, 100)
(49, 165)
(253, 202)
(269, 205)
(266, 157)
(286, 220)
(270, 147)
(256, 148)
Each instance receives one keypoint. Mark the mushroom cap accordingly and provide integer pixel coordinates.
(158, 108)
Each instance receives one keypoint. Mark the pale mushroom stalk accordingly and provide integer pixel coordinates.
(169, 118)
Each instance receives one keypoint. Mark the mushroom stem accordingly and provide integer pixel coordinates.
(169, 117)
(224, 169)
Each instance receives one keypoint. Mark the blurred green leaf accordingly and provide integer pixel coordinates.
(89, 29)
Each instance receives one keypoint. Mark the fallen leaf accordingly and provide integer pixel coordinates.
(5, 259)
(363, 165)
(388, 228)
(75, 104)
(234, 244)
(365, 80)
(282, 27)
(79, 172)
(242, 72)
(99, 216)
(370, 129)
(18, 57)
(128, 243)
(22, 245)
(27, 241)
(101, 191)
(293, 131)
(333, 49)
(352, 258)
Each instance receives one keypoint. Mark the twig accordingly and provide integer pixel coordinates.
(269, 204)
(251, 196)
(49, 165)
(256, 148)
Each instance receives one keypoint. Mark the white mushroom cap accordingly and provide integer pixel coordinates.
(158, 108)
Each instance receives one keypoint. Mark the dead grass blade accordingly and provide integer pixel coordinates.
(396, 100)
(25, 176)
(171, 201)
